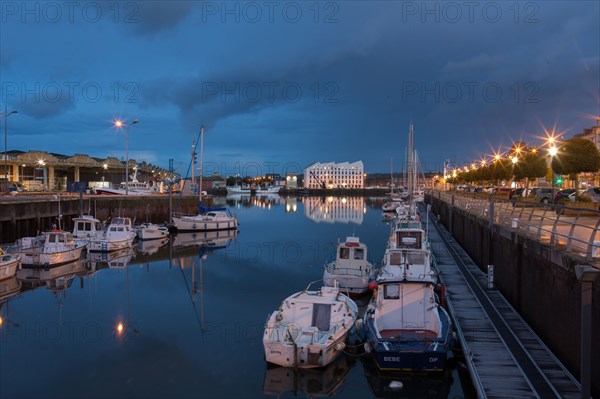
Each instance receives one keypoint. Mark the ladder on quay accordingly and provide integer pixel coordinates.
(505, 358)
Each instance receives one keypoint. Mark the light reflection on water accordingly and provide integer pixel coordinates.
(191, 312)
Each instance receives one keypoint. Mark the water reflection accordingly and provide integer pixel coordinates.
(56, 279)
(335, 209)
(313, 382)
(9, 288)
(151, 247)
(210, 239)
(399, 385)
(244, 200)
(108, 260)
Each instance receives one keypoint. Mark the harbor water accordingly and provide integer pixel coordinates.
(184, 318)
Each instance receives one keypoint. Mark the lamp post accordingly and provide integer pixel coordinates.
(5, 115)
(119, 124)
(552, 152)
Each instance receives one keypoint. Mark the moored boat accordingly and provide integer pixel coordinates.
(351, 270)
(118, 235)
(218, 219)
(52, 248)
(309, 329)
(151, 231)
(9, 263)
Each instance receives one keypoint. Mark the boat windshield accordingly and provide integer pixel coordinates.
(321, 316)
(344, 253)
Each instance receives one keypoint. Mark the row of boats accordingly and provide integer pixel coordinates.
(404, 326)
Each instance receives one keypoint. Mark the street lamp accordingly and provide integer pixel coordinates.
(552, 152)
(5, 115)
(120, 124)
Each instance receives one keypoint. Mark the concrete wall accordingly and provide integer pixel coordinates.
(537, 280)
(29, 216)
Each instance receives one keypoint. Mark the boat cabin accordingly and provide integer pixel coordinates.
(407, 312)
(409, 238)
(351, 250)
(411, 265)
(86, 226)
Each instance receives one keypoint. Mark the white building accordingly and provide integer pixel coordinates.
(334, 175)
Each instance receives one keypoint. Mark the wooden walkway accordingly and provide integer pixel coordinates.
(506, 359)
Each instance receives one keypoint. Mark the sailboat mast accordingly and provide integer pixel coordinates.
(392, 176)
(410, 160)
(201, 154)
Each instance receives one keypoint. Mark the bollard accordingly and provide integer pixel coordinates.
(490, 272)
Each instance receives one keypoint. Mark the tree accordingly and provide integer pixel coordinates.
(531, 165)
(576, 155)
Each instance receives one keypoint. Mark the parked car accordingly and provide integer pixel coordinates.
(544, 194)
(515, 192)
(565, 194)
(11, 187)
(593, 193)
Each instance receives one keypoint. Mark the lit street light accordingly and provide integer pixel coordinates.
(120, 124)
(5, 116)
(552, 153)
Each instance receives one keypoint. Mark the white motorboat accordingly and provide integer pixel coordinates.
(118, 235)
(351, 269)
(309, 328)
(151, 231)
(9, 263)
(53, 248)
(237, 189)
(211, 220)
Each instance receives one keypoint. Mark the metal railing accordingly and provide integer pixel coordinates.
(567, 228)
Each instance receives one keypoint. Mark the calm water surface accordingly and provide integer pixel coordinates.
(192, 315)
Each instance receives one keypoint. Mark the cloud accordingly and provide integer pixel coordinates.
(153, 17)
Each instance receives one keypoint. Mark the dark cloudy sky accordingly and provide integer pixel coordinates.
(282, 84)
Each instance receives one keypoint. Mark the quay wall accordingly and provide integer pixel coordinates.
(27, 216)
(538, 280)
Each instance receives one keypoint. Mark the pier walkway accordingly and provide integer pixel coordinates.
(505, 358)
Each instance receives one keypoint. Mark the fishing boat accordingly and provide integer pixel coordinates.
(351, 270)
(9, 264)
(206, 219)
(239, 189)
(133, 187)
(118, 235)
(52, 248)
(151, 231)
(406, 328)
(309, 329)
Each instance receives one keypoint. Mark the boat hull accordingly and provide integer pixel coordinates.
(109, 246)
(152, 233)
(8, 268)
(192, 224)
(310, 356)
(31, 259)
(352, 284)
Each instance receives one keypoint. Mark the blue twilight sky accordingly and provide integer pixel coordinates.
(281, 84)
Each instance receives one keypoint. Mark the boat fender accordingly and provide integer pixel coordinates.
(367, 347)
(396, 385)
(373, 285)
(340, 346)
